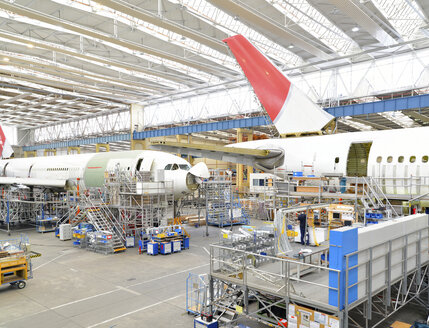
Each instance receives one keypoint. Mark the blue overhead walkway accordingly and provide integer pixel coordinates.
(412, 102)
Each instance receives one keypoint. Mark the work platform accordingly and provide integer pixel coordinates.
(370, 275)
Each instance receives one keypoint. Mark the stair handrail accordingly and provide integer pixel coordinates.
(381, 192)
(377, 190)
(108, 216)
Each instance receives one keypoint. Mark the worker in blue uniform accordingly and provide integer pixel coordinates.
(303, 228)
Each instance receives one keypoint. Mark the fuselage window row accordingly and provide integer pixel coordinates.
(389, 159)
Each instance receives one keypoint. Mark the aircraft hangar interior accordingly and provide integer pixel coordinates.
(214, 163)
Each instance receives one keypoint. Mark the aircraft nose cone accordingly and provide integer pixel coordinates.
(200, 170)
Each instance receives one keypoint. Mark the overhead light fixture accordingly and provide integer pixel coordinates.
(355, 29)
(30, 45)
(6, 59)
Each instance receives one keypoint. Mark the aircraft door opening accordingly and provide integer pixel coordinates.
(357, 159)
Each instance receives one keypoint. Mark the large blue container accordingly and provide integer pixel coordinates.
(185, 243)
(343, 241)
(152, 248)
(165, 248)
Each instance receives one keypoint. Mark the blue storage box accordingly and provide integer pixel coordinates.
(185, 243)
(176, 246)
(198, 323)
(165, 248)
(152, 248)
(298, 174)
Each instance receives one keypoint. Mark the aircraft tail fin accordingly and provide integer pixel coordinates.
(288, 107)
(6, 150)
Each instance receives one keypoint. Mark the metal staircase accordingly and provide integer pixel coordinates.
(99, 215)
(373, 198)
(74, 216)
(79, 216)
(63, 219)
(225, 312)
(224, 309)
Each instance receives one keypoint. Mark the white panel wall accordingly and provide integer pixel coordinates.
(383, 232)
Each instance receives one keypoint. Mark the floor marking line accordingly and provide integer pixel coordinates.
(84, 299)
(43, 264)
(20, 318)
(129, 290)
(124, 288)
(135, 311)
(167, 275)
(206, 250)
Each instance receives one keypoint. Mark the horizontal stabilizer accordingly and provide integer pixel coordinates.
(54, 183)
(288, 107)
(263, 159)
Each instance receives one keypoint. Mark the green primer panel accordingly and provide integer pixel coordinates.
(96, 166)
(357, 160)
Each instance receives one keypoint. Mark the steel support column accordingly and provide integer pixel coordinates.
(30, 153)
(50, 152)
(241, 183)
(100, 146)
(73, 150)
(137, 125)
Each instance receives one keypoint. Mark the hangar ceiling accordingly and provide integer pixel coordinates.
(69, 60)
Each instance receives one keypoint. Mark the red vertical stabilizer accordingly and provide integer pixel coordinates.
(289, 109)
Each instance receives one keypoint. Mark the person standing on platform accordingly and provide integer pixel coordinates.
(303, 228)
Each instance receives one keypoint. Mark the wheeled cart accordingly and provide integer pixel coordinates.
(15, 270)
(15, 261)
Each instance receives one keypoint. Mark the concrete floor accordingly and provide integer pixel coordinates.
(73, 287)
(76, 288)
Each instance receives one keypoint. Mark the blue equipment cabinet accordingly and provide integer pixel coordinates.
(165, 248)
(198, 323)
(176, 246)
(152, 248)
(185, 243)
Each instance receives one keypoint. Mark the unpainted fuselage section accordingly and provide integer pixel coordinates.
(90, 168)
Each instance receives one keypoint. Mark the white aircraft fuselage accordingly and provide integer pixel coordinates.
(90, 169)
(389, 154)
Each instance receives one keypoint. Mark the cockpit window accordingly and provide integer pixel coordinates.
(175, 166)
(185, 167)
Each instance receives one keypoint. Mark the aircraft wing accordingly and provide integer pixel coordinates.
(263, 159)
(56, 183)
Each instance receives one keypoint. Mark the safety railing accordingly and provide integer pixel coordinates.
(411, 186)
(298, 281)
(382, 265)
(96, 202)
